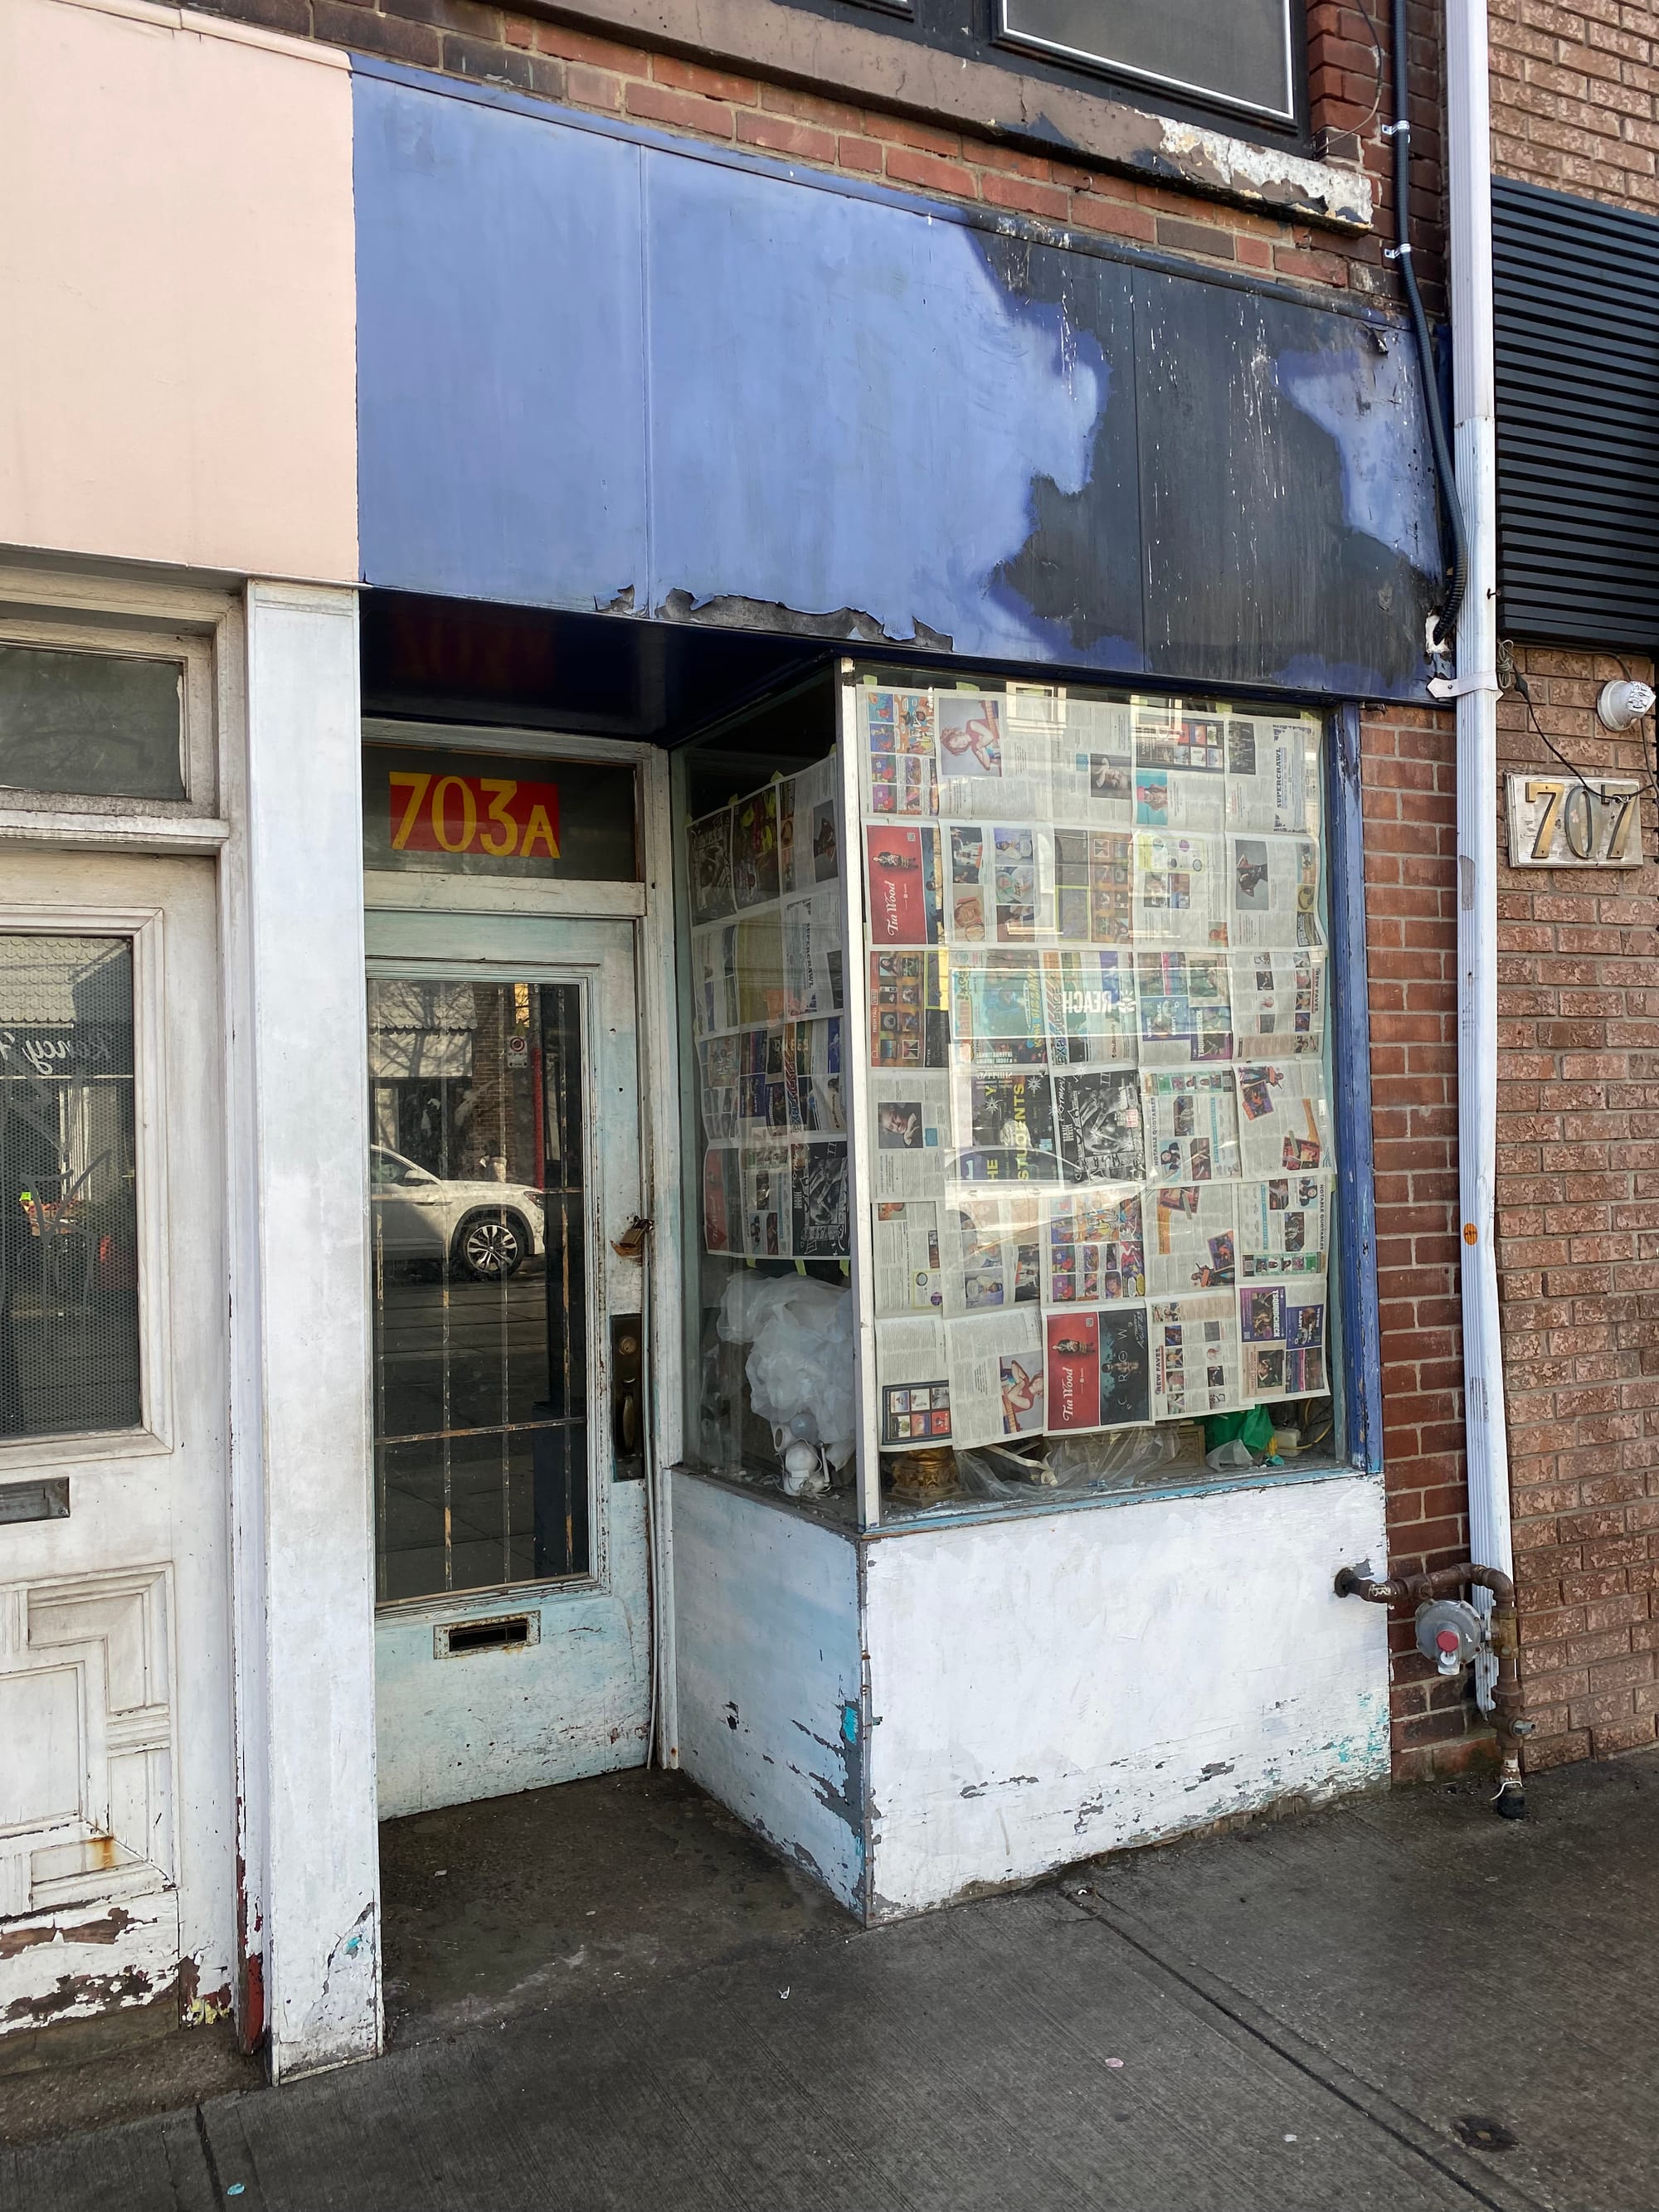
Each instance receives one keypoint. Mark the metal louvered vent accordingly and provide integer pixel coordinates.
(1576, 286)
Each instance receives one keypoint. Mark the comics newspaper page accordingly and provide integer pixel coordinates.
(1097, 1016)
(1094, 885)
(1095, 1249)
(910, 1023)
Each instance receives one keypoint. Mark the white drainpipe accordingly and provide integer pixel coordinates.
(1469, 167)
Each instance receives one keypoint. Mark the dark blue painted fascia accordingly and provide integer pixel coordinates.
(1356, 1179)
(606, 370)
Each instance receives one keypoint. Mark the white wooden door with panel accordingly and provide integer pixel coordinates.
(117, 1830)
(513, 1636)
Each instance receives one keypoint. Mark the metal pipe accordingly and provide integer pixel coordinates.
(1511, 1727)
(1469, 165)
(1445, 625)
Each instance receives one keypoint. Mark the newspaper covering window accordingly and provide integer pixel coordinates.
(1101, 1187)
(768, 988)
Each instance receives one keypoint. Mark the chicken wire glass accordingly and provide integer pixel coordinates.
(477, 1191)
(68, 1247)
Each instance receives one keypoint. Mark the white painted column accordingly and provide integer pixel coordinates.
(300, 1463)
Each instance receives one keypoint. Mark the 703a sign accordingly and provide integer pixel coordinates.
(1574, 822)
(497, 815)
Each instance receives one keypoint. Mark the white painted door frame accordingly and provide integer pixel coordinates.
(273, 768)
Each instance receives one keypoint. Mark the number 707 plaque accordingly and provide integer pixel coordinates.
(1574, 822)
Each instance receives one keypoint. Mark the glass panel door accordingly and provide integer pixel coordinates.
(478, 1199)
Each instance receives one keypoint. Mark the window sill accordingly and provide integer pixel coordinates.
(838, 1511)
(1064, 123)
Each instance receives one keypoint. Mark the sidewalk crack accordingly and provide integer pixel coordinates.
(1407, 2128)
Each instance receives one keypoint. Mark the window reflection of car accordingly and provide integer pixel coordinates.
(482, 1227)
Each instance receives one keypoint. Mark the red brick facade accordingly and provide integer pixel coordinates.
(1575, 100)
(1578, 1243)
(1411, 933)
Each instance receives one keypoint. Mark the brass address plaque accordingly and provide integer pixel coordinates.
(1574, 822)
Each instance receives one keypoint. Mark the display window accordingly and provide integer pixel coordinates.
(1007, 1032)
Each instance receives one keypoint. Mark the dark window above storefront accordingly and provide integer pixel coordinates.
(1241, 65)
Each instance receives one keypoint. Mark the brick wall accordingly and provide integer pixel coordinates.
(1411, 932)
(1575, 97)
(1578, 1243)
(558, 61)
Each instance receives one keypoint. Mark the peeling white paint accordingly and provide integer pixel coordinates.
(1154, 1669)
(1233, 165)
(766, 1608)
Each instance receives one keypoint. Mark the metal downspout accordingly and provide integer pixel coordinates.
(1469, 169)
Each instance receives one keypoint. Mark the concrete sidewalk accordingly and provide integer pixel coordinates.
(1399, 2004)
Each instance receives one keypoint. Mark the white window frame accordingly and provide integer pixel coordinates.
(155, 1432)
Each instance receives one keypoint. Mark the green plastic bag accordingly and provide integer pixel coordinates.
(1254, 1429)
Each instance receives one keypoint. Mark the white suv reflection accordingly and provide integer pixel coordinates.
(483, 1228)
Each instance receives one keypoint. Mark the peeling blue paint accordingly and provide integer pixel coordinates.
(1362, 394)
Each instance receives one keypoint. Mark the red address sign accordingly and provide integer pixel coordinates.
(493, 814)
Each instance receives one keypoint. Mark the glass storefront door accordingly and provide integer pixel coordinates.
(510, 1511)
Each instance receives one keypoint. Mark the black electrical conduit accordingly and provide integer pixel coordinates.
(1401, 131)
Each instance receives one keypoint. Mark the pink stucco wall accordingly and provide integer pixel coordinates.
(177, 306)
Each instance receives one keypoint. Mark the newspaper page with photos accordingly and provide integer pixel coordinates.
(996, 1376)
(1274, 883)
(1282, 1330)
(768, 995)
(913, 1125)
(1197, 1366)
(1279, 1004)
(1192, 1124)
(1284, 1226)
(1095, 1061)
(992, 1248)
(1284, 1118)
(905, 1256)
(1192, 1238)
(914, 1389)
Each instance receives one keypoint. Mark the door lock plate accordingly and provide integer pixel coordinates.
(628, 1396)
